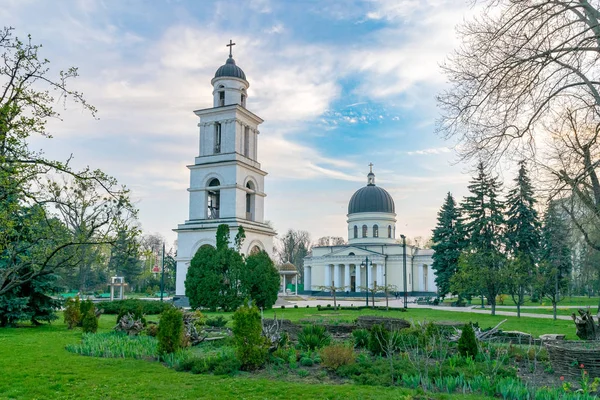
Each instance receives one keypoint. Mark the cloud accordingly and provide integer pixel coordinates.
(435, 150)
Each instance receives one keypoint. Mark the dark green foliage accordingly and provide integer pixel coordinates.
(214, 278)
(133, 306)
(125, 256)
(376, 372)
(224, 363)
(361, 338)
(313, 337)
(170, 331)
(72, 315)
(217, 322)
(261, 280)
(448, 242)
(307, 362)
(89, 322)
(467, 343)
(84, 307)
(137, 314)
(251, 346)
(378, 338)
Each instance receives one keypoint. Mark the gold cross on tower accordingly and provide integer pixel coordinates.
(230, 45)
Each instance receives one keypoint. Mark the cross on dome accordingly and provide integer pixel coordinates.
(371, 167)
(371, 176)
(230, 45)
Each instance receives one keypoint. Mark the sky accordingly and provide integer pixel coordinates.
(339, 83)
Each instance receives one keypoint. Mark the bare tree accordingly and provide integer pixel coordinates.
(331, 241)
(293, 247)
(523, 82)
(333, 290)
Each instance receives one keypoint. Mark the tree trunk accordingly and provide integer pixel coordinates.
(519, 310)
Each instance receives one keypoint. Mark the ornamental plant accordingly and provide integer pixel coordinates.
(467, 343)
(251, 346)
(89, 323)
(72, 314)
(170, 331)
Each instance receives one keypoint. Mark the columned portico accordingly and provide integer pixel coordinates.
(347, 279)
(307, 278)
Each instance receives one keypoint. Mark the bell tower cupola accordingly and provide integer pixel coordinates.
(229, 84)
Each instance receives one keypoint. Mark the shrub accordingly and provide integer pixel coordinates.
(217, 322)
(85, 306)
(336, 355)
(467, 343)
(89, 322)
(282, 306)
(151, 330)
(250, 345)
(72, 314)
(295, 305)
(170, 331)
(361, 338)
(313, 337)
(307, 362)
(378, 339)
(133, 306)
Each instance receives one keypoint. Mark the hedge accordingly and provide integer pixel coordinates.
(147, 307)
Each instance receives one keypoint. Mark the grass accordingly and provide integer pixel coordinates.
(36, 365)
(567, 301)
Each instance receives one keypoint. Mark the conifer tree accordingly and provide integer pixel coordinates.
(522, 237)
(482, 262)
(448, 242)
(556, 264)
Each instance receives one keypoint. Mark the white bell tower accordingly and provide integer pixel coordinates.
(226, 181)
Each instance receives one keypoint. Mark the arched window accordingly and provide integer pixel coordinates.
(213, 200)
(217, 138)
(375, 231)
(389, 231)
(250, 201)
(355, 231)
(244, 98)
(255, 250)
(246, 141)
(221, 96)
(364, 231)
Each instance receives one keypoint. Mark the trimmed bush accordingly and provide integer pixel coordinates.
(250, 345)
(467, 343)
(72, 314)
(85, 306)
(217, 322)
(361, 338)
(170, 331)
(134, 306)
(337, 355)
(313, 337)
(89, 323)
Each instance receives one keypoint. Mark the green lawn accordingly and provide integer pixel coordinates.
(567, 301)
(35, 365)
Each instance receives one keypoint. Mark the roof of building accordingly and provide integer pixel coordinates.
(287, 268)
(371, 198)
(229, 69)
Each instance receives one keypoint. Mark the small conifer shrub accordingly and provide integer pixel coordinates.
(251, 347)
(89, 323)
(72, 314)
(378, 339)
(170, 331)
(467, 344)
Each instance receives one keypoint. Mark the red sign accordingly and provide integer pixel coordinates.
(156, 270)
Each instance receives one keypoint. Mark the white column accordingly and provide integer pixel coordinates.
(372, 276)
(296, 284)
(357, 280)
(380, 280)
(307, 278)
(327, 275)
(336, 276)
(347, 277)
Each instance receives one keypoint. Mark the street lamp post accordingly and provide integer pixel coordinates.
(404, 266)
(162, 276)
(365, 265)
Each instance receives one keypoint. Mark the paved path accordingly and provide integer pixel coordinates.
(356, 302)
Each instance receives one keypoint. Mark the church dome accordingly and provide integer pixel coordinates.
(229, 69)
(371, 198)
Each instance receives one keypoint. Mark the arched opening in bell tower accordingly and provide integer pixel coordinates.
(250, 200)
(213, 200)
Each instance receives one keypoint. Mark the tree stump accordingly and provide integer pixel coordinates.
(587, 329)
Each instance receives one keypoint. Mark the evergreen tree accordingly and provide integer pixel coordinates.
(483, 224)
(261, 279)
(556, 264)
(448, 242)
(124, 256)
(523, 237)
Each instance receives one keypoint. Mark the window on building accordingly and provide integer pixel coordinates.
(247, 141)
(250, 196)
(355, 231)
(243, 100)
(221, 98)
(375, 231)
(213, 200)
(217, 138)
(389, 231)
(364, 231)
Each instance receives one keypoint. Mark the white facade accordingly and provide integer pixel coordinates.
(373, 255)
(226, 180)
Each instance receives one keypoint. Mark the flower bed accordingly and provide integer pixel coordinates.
(570, 357)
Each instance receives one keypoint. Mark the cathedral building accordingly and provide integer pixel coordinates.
(226, 179)
(373, 256)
